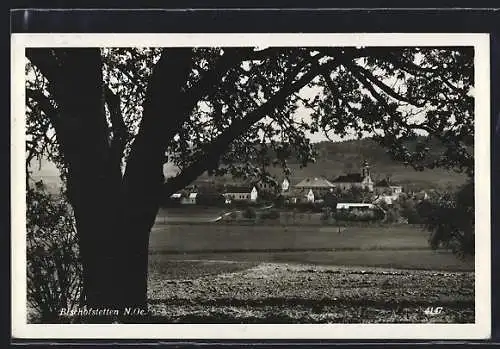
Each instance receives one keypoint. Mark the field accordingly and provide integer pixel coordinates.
(209, 272)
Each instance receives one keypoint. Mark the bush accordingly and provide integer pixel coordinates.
(54, 272)
(450, 219)
(356, 215)
(392, 215)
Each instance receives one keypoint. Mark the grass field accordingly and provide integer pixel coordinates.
(394, 247)
(206, 273)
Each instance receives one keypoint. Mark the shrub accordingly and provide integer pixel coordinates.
(356, 215)
(450, 219)
(54, 272)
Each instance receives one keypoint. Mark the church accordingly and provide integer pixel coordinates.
(361, 180)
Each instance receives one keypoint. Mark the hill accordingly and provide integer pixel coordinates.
(334, 159)
(337, 158)
(340, 157)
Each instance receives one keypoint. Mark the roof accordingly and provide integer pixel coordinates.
(349, 178)
(342, 205)
(316, 182)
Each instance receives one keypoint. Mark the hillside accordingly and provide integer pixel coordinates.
(333, 160)
(337, 158)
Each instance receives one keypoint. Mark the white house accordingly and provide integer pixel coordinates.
(388, 199)
(241, 193)
(253, 194)
(385, 186)
(350, 206)
(190, 199)
(310, 196)
(285, 185)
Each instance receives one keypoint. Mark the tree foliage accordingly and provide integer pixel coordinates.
(53, 268)
(450, 218)
(392, 93)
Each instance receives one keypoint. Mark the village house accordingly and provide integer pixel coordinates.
(176, 196)
(263, 186)
(307, 190)
(387, 191)
(295, 196)
(385, 186)
(317, 185)
(190, 199)
(354, 206)
(241, 193)
(361, 180)
(285, 185)
(310, 196)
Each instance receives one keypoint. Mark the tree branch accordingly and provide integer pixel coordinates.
(44, 103)
(45, 61)
(383, 86)
(211, 78)
(361, 78)
(238, 127)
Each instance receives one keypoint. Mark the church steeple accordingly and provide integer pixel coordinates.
(365, 171)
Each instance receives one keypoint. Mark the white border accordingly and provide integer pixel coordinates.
(479, 330)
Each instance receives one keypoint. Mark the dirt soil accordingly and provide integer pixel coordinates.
(202, 291)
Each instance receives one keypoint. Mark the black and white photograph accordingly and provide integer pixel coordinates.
(312, 181)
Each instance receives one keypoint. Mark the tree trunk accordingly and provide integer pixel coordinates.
(143, 179)
(93, 185)
(114, 215)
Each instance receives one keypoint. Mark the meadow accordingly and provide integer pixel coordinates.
(257, 273)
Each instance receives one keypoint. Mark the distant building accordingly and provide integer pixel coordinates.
(357, 211)
(354, 206)
(385, 186)
(421, 195)
(360, 180)
(176, 196)
(387, 191)
(317, 185)
(285, 185)
(263, 186)
(310, 196)
(190, 199)
(241, 193)
(387, 199)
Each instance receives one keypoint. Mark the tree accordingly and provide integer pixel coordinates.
(331, 199)
(450, 218)
(53, 269)
(111, 118)
(356, 194)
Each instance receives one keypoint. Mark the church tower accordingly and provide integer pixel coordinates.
(365, 172)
